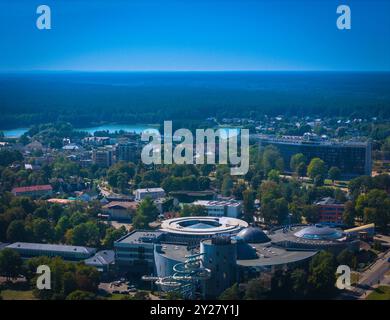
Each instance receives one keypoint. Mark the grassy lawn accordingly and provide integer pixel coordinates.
(328, 182)
(139, 295)
(380, 293)
(17, 295)
(116, 296)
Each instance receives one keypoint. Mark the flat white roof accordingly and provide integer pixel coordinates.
(51, 247)
(227, 203)
(150, 190)
(223, 225)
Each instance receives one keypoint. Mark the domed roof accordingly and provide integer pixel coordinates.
(319, 232)
(253, 235)
(245, 251)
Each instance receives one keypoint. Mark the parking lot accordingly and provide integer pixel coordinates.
(118, 287)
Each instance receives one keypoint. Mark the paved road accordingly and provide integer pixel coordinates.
(369, 279)
(376, 272)
(374, 275)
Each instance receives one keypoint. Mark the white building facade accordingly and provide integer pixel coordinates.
(153, 193)
(226, 208)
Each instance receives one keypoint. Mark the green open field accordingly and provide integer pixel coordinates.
(17, 295)
(117, 296)
(380, 293)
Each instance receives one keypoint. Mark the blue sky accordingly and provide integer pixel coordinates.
(121, 35)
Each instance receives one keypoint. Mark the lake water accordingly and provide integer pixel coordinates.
(137, 128)
(225, 131)
(14, 133)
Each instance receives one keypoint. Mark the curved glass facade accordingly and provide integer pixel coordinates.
(318, 232)
(199, 224)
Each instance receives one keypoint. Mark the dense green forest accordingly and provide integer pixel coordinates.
(85, 99)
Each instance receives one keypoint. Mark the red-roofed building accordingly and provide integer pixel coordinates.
(33, 191)
(330, 210)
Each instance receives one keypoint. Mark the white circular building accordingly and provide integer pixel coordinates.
(191, 230)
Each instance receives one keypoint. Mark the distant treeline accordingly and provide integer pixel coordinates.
(33, 99)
